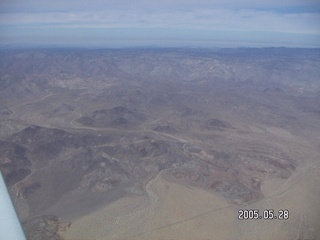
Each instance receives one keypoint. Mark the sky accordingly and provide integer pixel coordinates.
(161, 23)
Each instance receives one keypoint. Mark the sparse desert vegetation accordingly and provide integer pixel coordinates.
(161, 143)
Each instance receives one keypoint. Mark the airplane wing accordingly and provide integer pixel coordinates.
(10, 226)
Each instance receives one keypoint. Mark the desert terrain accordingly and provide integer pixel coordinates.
(161, 143)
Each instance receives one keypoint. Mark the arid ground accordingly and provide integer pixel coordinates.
(162, 143)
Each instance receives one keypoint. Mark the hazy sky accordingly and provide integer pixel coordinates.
(116, 23)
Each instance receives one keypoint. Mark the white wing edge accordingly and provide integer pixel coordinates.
(10, 226)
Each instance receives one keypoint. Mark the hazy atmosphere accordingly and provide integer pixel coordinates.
(158, 120)
(166, 23)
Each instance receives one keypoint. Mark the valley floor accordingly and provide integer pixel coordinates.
(175, 211)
